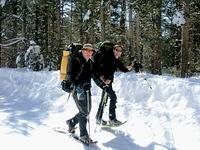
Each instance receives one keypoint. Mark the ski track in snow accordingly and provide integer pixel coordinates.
(162, 112)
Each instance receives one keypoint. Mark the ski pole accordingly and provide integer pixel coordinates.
(100, 110)
(148, 83)
(72, 92)
(68, 97)
(88, 109)
(101, 106)
(105, 100)
(104, 103)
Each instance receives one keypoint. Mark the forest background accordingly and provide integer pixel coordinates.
(163, 35)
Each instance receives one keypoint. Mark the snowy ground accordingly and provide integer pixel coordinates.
(163, 112)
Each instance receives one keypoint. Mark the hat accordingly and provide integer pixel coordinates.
(88, 47)
(118, 45)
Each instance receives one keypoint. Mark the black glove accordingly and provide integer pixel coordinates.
(86, 86)
(67, 86)
(107, 88)
(98, 81)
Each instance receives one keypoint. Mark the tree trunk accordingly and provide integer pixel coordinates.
(131, 46)
(103, 21)
(123, 18)
(185, 41)
(108, 36)
(36, 23)
(23, 3)
(58, 24)
(12, 53)
(46, 26)
(71, 26)
(93, 34)
(156, 45)
(0, 31)
(137, 37)
(81, 21)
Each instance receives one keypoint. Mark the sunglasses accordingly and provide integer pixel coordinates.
(118, 50)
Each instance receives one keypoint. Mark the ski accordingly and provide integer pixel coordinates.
(73, 136)
(62, 130)
(77, 138)
(107, 125)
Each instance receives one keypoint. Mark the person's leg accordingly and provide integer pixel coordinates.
(101, 108)
(113, 101)
(73, 121)
(84, 110)
(112, 108)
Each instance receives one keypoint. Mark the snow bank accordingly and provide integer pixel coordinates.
(163, 112)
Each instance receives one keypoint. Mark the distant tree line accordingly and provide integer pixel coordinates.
(164, 35)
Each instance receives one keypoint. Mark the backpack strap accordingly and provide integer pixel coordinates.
(76, 58)
(81, 68)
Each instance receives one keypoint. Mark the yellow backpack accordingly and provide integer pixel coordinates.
(65, 63)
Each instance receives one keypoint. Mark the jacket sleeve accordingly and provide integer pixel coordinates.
(98, 81)
(121, 67)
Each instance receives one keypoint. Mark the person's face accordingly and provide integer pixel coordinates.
(87, 54)
(117, 52)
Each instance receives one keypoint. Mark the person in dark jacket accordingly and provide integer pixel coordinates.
(80, 76)
(105, 67)
(137, 66)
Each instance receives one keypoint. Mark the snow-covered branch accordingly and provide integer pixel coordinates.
(2, 2)
(12, 41)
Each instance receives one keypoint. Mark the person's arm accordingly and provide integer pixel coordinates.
(106, 81)
(122, 68)
(98, 81)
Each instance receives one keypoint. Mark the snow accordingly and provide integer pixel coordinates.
(87, 15)
(2, 2)
(12, 41)
(178, 18)
(163, 117)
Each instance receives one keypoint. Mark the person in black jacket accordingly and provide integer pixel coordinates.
(137, 66)
(80, 76)
(105, 67)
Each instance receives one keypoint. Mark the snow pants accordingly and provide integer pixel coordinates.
(84, 106)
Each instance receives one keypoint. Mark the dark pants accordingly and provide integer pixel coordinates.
(102, 104)
(111, 94)
(84, 107)
(113, 101)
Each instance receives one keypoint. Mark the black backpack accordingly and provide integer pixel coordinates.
(105, 49)
(71, 51)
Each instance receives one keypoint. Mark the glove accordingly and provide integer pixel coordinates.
(107, 88)
(67, 86)
(86, 86)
